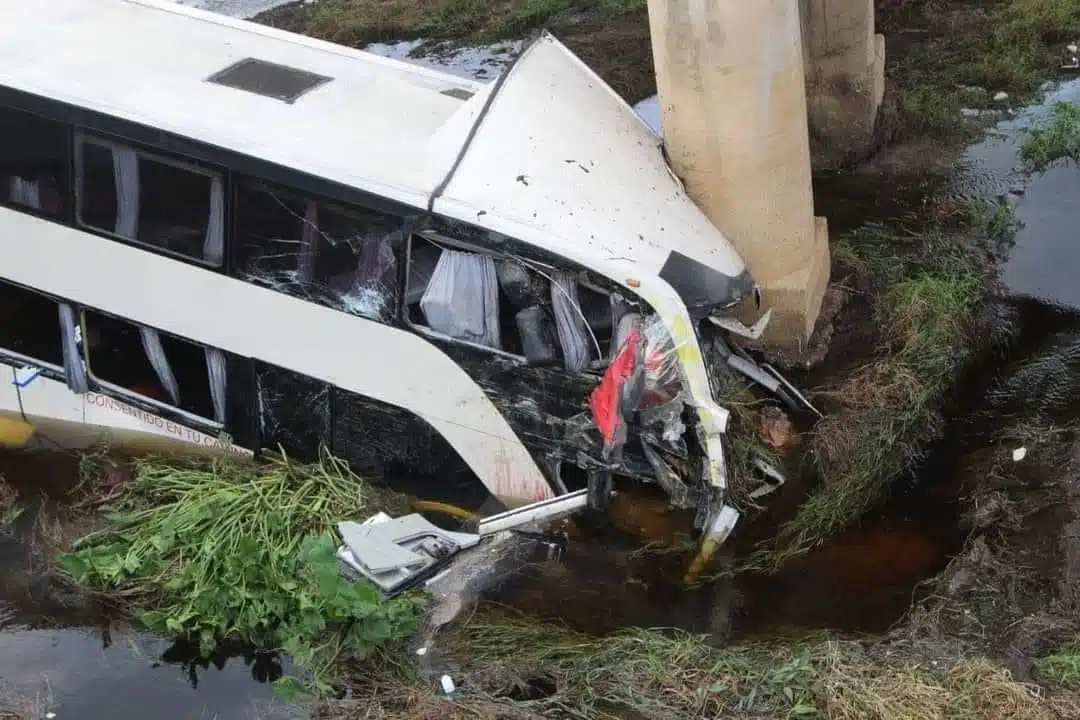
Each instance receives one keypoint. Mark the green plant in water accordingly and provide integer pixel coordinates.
(1057, 139)
(227, 549)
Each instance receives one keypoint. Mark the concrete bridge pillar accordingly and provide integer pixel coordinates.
(845, 77)
(733, 109)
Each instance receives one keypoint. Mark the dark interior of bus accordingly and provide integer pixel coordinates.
(29, 325)
(117, 357)
(33, 171)
(173, 202)
(521, 311)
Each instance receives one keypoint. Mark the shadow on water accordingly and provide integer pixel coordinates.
(62, 652)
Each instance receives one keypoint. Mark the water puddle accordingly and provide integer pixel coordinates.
(101, 675)
(62, 653)
(1043, 261)
(483, 62)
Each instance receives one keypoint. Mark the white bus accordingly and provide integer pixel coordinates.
(218, 234)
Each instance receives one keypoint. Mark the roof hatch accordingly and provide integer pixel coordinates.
(268, 79)
(459, 93)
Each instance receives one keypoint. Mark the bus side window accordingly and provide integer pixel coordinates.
(30, 326)
(169, 204)
(344, 258)
(33, 163)
(157, 366)
(540, 314)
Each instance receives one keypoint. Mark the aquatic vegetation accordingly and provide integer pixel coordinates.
(1057, 139)
(225, 549)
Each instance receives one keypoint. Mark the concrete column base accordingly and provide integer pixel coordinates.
(843, 97)
(796, 298)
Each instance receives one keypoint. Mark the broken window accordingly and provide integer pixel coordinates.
(38, 329)
(30, 325)
(33, 163)
(172, 205)
(544, 315)
(346, 259)
(156, 366)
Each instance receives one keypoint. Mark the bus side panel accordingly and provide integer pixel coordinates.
(393, 445)
(293, 410)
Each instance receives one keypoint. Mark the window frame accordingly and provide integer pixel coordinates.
(354, 211)
(81, 135)
(67, 215)
(438, 239)
(28, 360)
(97, 383)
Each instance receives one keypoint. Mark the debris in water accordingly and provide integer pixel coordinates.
(1001, 96)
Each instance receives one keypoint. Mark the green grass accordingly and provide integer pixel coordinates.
(1010, 45)
(357, 22)
(925, 287)
(1061, 668)
(653, 673)
(514, 668)
(229, 550)
(1056, 139)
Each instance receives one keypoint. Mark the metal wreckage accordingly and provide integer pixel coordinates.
(652, 415)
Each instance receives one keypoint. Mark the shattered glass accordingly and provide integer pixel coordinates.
(344, 259)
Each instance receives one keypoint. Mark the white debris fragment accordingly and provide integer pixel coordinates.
(421, 651)
(1073, 48)
(50, 715)
(1001, 96)
(447, 684)
(1019, 454)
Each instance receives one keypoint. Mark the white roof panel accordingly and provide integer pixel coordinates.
(148, 61)
(558, 160)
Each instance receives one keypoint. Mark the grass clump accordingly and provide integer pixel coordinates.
(11, 509)
(513, 668)
(885, 411)
(889, 406)
(978, 50)
(652, 673)
(1057, 139)
(222, 550)
(1061, 668)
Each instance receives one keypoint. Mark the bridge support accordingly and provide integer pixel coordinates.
(732, 93)
(845, 78)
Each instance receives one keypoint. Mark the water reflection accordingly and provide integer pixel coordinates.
(1046, 255)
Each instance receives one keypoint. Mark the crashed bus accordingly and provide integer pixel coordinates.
(220, 236)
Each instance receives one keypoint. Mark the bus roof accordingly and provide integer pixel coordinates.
(149, 62)
(549, 154)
